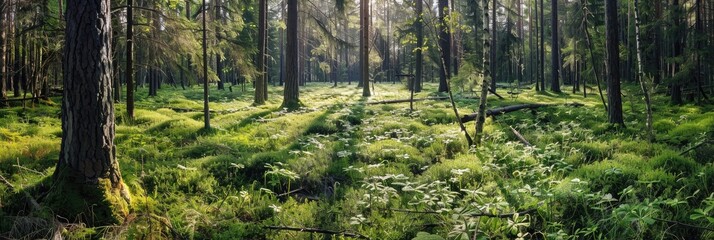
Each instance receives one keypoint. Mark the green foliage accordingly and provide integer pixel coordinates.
(674, 163)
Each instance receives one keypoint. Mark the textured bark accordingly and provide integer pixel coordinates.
(87, 152)
(494, 45)
(445, 46)
(291, 92)
(419, 25)
(364, 47)
(613, 64)
(87, 109)
(259, 98)
(678, 45)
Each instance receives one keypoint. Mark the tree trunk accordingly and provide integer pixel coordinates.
(419, 46)
(613, 64)
(290, 95)
(444, 45)
(494, 46)
(555, 51)
(641, 76)
(260, 81)
(206, 116)
(364, 47)
(678, 50)
(542, 47)
(481, 117)
(87, 168)
(130, 60)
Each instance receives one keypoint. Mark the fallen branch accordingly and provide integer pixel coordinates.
(520, 137)
(315, 230)
(407, 100)
(494, 93)
(6, 182)
(503, 215)
(513, 108)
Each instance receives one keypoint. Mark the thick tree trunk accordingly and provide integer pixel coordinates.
(87, 167)
(290, 95)
(613, 64)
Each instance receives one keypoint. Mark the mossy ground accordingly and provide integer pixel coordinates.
(348, 163)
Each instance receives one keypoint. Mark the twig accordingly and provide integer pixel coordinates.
(290, 192)
(29, 170)
(685, 224)
(6, 182)
(315, 230)
(520, 137)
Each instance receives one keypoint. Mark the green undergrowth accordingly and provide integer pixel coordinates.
(378, 170)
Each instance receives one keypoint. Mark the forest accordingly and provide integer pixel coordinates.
(356, 119)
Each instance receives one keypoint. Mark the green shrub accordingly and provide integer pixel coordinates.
(674, 163)
(322, 127)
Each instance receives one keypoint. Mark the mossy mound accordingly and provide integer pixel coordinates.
(94, 204)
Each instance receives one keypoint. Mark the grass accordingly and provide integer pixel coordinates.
(341, 164)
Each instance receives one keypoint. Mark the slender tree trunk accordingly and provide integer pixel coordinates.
(481, 118)
(3, 54)
(260, 81)
(130, 60)
(87, 166)
(419, 25)
(206, 116)
(542, 47)
(494, 46)
(613, 64)
(644, 85)
(364, 47)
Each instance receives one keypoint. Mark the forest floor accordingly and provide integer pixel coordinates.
(343, 167)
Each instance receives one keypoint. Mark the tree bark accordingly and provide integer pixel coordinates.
(87, 166)
(613, 64)
(290, 95)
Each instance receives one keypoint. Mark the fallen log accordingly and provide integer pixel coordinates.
(513, 108)
(315, 230)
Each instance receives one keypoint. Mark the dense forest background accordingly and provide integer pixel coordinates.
(267, 119)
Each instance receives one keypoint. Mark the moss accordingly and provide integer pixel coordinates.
(95, 204)
(594, 151)
(674, 163)
(663, 125)
(447, 169)
(610, 176)
(321, 127)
